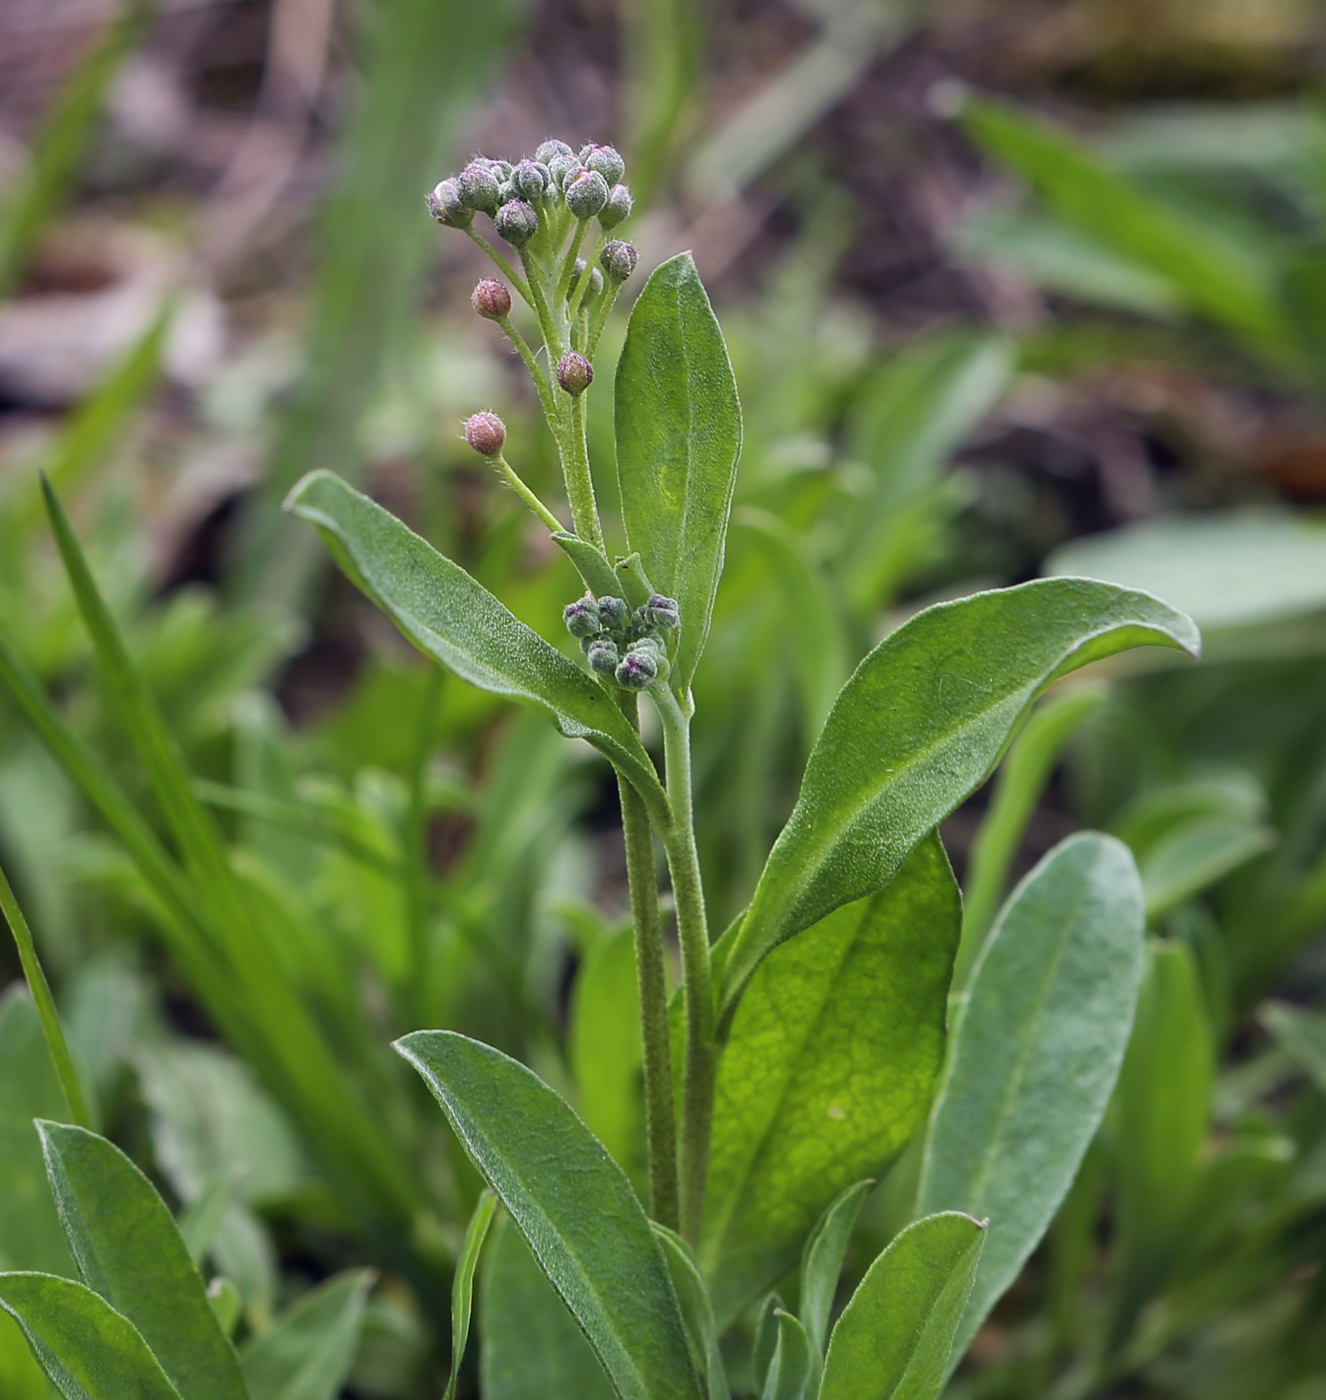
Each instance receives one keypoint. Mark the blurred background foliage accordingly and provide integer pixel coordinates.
(1011, 287)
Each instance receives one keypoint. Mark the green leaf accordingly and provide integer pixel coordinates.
(83, 1344)
(822, 1261)
(128, 1250)
(591, 564)
(1197, 854)
(531, 1347)
(21, 1374)
(1163, 1116)
(462, 1285)
(456, 621)
(895, 1336)
(678, 439)
(696, 1310)
(792, 1367)
(1035, 1054)
(1301, 1035)
(310, 1349)
(828, 1071)
(918, 728)
(572, 1203)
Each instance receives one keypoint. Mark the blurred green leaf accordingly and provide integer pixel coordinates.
(895, 1336)
(572, 1203)
(1302, 1035)
(310, 1349)
(822, 1261)
(918, 728)
(462, 1287)
(828, 1071)
(792, 1367)
(678, 439)
(1197, 854)
(1035, 1054)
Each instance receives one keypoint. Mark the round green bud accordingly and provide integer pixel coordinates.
(603, 656)
(595, 281)
(585, 192)
(618, 260)
(582, 617)
(517, 222)
(574, 373)
(486, 433)
(614, 612)
(550, 150)
(531, 180)
(561, 168)
(447, 207)
(605, 160)
(661, 612)
(491, 299)
(506, 192)
(479, 187)
(502, 168)
(638, 669)
(617, 208)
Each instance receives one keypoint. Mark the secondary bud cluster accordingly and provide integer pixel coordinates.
(628, 647)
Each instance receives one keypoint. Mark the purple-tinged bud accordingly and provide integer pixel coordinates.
(617, 208)
(618, 260)
(506, 192)
(574, 373)
(585, 192)
(614, 612)
(661, 612)
(602, 654)
(550, 150)
(562, 168)
(517, 222)
(486, 433)
(531, 180)
(582, 617)
(605, 160)
(447, 207)
(638, 668)
(491, 299)
(479, 187)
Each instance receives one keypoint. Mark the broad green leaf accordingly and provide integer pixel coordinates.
(128, 1250)
(792, 1366)
(822, 1261)
(456, 621)
(1163, 1116)
(918, 728)
(895, 1336)
(572, 1203)
(1217, 278)
(1301, 1035)
(678, 439)
(84, 1345)
(462, 1285)
(531, 1348)
(1035, 1054)
(696, 1310)
(828, 1070)
(310, 1349)
(21, 1374)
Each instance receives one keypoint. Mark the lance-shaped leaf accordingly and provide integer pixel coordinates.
(829, 1069)
(696, 1310)
(678, 438)
(895, 1335)
(128, 1250)
(1035, 1054)
(309, 1350)
(454, 619)
(792, 1367)
(462, 1286)
(822, 1261)
(917, 728)
(87, 1349)
(572, 1203)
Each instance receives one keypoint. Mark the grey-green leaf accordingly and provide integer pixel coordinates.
(572, 1203)
(1035, 1054)
(918, 728)
(696, 1310)
(895, 1336)
(822, 1261)
(462, 1285)
(792, 1367)
(455, 620)
(829, 1069)
(87, 1349)
(1301, 1035)
(310, 1349)
(678, 439)
(129, 1251)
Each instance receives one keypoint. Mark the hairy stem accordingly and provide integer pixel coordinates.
(546, 400)
(579, 481)
(569, 263)
(601, 316)
(697, 986)
(526, 495)
(547, 326)
(516, 280)
(582, 287)
(41, 994)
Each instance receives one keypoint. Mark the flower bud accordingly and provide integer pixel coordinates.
(605, 160)
(531, 179)
(586, 192)
(517, 222)
(595, 287)
(574, 373)
(602, 656)
(491, 299)
(486, 433)
(638, 668)
(614, 612)
(550, 150)
(479, 186)
(661, 612)
(501, 168)
(582, 617)
(562, 167)
(617, 208)
(447, 207)
(506, 192)
(618, 260)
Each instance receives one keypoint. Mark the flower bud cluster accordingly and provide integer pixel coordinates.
(628, 647)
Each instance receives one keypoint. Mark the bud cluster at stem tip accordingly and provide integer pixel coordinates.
(630, 648)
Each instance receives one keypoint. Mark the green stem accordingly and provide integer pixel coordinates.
(526, 495)
(547, 326)
(579, 480)
(540, 379)
(569, 263)
(41, 994)
(517, 281)
(697, 985)
(660, 1111)
(582, 287)
(610, 293)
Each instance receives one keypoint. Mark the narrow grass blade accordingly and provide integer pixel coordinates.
(462, 1288)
